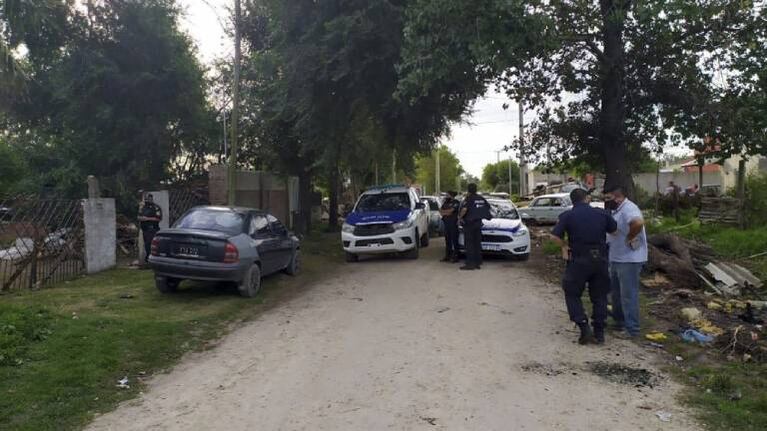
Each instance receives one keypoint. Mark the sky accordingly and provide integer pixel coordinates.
(476, 143)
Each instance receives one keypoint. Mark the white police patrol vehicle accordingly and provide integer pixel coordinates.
(386, 219)
(505, 234)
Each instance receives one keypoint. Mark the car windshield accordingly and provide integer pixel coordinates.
(210, 219)
(504, 210)
(383, 202)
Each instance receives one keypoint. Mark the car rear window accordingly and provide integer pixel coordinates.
(210, 219)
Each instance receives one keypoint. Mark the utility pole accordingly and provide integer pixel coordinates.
(394, 166)
(224, 119)
(510, 176)
(437, 184)
(522, 161)
(232, 173)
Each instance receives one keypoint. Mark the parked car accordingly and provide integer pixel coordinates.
(434, 203)
(505, 234)
(232, 244)
(388, 219)
(546, 208)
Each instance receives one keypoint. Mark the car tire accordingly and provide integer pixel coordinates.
(250, 285)
(295, 263)
(415, 251)
(425, 240)
(352, 258)
(166, 284)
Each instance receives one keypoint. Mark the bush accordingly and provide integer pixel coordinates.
(756, 200)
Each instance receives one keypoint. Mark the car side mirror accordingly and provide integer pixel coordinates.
(420, 205)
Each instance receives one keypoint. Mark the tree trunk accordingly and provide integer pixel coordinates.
(333, 198)
(612, 117)
(304, 219)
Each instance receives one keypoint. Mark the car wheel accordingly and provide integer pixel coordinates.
(251, 283)
(351, 257)
(166, 284)
(425, 240)
(295, 263)
(415, 251)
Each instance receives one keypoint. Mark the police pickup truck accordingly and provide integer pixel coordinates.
(387, 219)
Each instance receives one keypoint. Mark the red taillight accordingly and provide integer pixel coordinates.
(231, 254)
(155, 246)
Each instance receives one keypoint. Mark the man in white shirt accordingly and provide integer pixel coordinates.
(628, 254)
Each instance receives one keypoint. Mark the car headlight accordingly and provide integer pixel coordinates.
(403, 224)
(521, 232)
(346, 227)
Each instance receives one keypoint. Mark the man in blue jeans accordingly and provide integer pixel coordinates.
(628, 254)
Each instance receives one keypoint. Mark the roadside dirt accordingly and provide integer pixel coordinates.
(400, 344)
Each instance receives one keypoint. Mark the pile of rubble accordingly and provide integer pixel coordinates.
(713, 302)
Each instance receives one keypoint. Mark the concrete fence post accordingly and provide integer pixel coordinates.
(100, 221)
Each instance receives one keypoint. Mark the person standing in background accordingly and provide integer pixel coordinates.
(449, 212)
(628, 254)
(149, 217)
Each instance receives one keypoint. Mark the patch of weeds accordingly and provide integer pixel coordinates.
(19, 329)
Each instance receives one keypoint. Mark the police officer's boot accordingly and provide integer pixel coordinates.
(586, 335)
(599, 334)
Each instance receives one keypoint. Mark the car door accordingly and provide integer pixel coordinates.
(267, 243)
(539, 209)
(559, 206)
(284, 252)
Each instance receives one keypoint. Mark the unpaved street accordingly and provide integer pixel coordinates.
(400, 344)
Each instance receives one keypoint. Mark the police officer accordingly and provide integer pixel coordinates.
(586, 254)
(149, 216)
(473, 210)
(449, 212)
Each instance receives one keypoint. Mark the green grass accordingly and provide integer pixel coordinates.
(64, 348)
(550, 248)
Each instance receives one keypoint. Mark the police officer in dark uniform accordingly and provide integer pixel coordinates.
(449, 212)
(587, 260)
(149, 217)
(473, 210)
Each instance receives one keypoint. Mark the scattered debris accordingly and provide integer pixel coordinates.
(749, 316)
(663, 416)
(75, 316)
(126, 296)
(123, 383)
(656, 336)
(731, 278)
(679, 358)
(657, 281)
(693, 336)
(430, 421)
(443, 309)
(713, 305)
(358, 299)
(690, 314)
(618, 373)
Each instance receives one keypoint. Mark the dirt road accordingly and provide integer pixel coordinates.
(411, 345)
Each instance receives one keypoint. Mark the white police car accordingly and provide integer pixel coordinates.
(505, 234)
(387, 219)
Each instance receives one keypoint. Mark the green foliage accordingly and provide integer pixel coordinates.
(19, 329)
(630, 94)
(12, 168)
(551, 248)
(450, 170)
(730, 397)
(756, 200)
(495, 177)
(115, 91)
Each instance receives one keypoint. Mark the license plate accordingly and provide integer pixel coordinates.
(188, 251)
(491, 247)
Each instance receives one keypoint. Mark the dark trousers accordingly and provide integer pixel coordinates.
(472, 241)
(148, 234)
(451, 238)
(579, 272)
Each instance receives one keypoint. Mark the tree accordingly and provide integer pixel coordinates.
(114, 91)
(495, 177)
(323, 76)
(450, 170)
(633, 67)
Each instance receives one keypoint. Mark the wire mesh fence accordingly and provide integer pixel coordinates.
(41, 242)
(182, 199)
